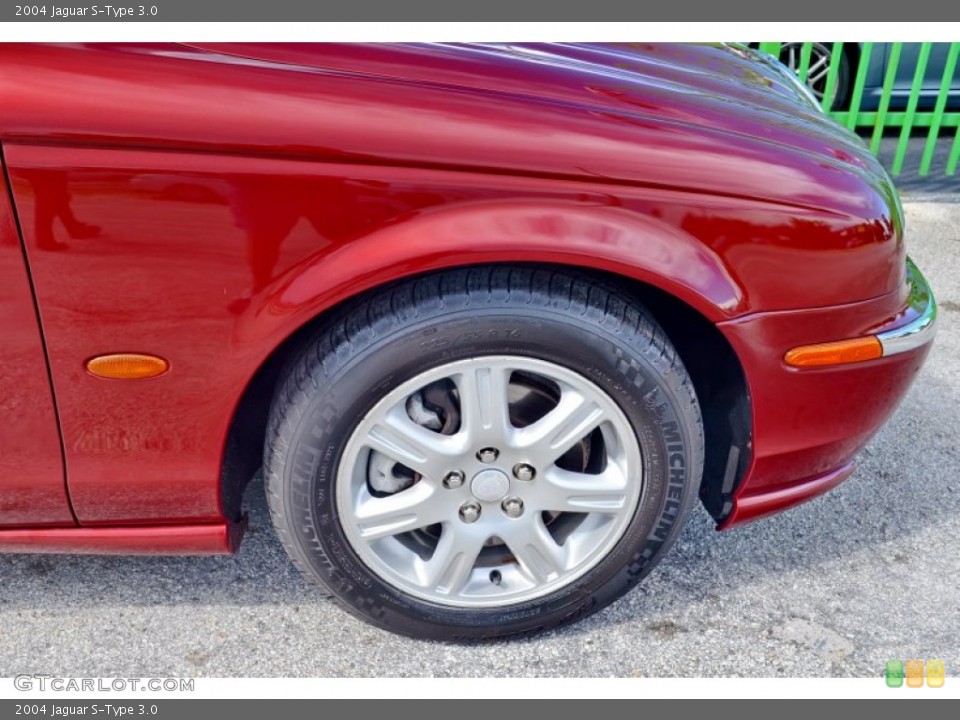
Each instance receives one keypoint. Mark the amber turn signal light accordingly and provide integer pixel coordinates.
(127, 366)
(835, 353)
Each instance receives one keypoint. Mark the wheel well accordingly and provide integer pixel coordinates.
(722, 392)
(853, 51)
(713, 366)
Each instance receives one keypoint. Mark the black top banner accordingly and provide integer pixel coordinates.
(487, 11)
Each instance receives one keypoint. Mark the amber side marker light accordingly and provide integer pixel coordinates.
(835, 353)
(127, 366)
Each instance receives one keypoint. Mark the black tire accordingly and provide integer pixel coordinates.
(844, 84)
(558, 316)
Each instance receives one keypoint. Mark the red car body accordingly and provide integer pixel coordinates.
(204, 204)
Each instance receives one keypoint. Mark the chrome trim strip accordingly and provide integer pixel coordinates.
(921, 329)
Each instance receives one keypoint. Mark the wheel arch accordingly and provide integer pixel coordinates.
(713, 365)
(682, 282)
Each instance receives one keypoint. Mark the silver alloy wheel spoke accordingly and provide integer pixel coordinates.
(488, 539)
(485, 411)
(815, 78)
(565, 491)
(410, 509)
(556, 432)
(821, 62)
(535, 549)
(401, 439)
(452, 561)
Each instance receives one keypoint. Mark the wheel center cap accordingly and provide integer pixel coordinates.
(490, 485)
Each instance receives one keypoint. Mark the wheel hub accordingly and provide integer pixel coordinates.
(490, 485)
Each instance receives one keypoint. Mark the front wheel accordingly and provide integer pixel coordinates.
(484, 453)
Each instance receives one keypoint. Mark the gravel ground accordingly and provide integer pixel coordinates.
(870, 572)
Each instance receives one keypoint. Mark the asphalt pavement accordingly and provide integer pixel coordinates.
(936, 184)
(868, 573)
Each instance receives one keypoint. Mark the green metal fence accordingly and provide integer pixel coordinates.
(869, 60)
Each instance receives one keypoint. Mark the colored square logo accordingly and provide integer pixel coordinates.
(894, 673)
(914, 673)
(935, 673)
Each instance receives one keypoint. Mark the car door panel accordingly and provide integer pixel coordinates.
(933, 73)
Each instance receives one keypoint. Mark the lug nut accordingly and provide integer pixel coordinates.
(470, 512)
(453, 480)
(488, 455)
(524, 472)
(513, 507)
